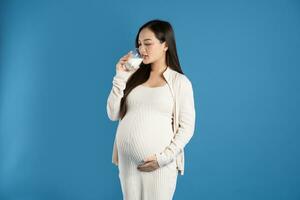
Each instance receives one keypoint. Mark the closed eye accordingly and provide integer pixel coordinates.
(145, 44)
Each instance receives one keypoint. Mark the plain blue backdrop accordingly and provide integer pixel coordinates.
(57, 63)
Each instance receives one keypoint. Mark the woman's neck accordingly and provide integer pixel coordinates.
(158, 67)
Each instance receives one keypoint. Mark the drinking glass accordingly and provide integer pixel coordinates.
(134, 60)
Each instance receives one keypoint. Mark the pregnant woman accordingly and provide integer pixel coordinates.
(155, 108)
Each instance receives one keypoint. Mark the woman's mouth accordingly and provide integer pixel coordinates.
(145, 57)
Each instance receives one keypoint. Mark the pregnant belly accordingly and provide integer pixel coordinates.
(138, 138)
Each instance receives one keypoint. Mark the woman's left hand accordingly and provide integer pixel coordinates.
(150, 164)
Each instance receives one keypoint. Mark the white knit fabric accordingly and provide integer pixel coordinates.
(184, 114)
(145, 130)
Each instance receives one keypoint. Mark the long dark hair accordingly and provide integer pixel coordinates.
(163, 31)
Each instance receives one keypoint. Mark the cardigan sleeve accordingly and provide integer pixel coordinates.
(116, 94)
(186, 122)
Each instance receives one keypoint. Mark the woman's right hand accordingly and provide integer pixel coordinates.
(120, 65)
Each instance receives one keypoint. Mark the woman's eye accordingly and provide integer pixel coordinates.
(145, 44)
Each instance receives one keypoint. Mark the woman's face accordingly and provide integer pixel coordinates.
(150, 47)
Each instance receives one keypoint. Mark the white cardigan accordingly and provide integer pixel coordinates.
(184, 114)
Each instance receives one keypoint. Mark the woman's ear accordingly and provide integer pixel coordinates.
(165, 46)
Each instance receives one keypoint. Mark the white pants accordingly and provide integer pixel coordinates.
(159, 184)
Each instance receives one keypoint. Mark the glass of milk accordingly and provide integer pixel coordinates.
(134, 60)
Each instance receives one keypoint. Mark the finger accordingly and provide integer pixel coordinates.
(125, 57)
(146, 165)
(147, 168)
(146, 162)
(143, 165)
(124, 68)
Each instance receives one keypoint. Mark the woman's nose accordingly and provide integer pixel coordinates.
(142, 50)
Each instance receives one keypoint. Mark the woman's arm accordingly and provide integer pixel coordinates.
(186, 124)
(116, 94)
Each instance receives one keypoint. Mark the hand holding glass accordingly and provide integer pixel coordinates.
(134, 60)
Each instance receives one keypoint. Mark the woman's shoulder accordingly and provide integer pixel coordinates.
(182, 79)
(180, 76)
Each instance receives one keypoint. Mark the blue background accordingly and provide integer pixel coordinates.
(57, 63)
